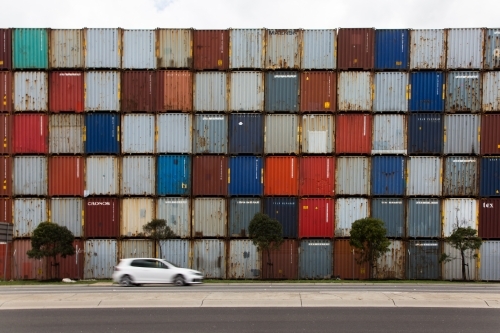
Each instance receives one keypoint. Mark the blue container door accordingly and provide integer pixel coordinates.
(285, 210)
(391, 49)
(426, 93)
(281, 91)
(490, 177)
(425, 134)
(391, 211)
(241, 212)
(388, 175)
(174, 175)
(245, 176)
(102, 133)
(424, 218)
(246, 134)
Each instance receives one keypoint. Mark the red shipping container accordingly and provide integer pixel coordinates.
(72, 266)
(30, 134)
(6, 210)
(345, 265)
(66, 92)
(316, 218)
(175, 91)
(6, 261)
(66, 175)
(490, 134)
(5, 49)
(102, 218)
(281, 176)
(356, 48)
(6, 176)
(211, 49)
(24, 268)
(210, 175)
(489, 218)
(5, 133)
(317, 176)
(318, 91)
(353, 134)
(138, 91)
(285, 262)
(6, 92)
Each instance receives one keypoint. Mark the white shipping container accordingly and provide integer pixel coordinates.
(176, 251)
(465, 48)
(391, 265)
(102, 91)
(175, 48)
(247, 91)
(136, 212)
(244, 260)
(209, 257)
(389, 134)
(102, 48)
(424, 176)
(490, 261)
(28, 214)
(461, 213)
(177, 213)
(427, 49)
(461, 134)
(138, 134)
(30, 175)
(281, 134)
(491, 91)
(102, 175)
(66, 48)
(209, 217)
(66, 133)
(31, 91)
(210, 91)
(139, 49)
(246, 48)
(174, 133)
(318, 134)
(348, 210)
(101, 256)
(318, 49)
(68, 212)
(390, 92)
(453, 270)
(355, 91)
(138, 175)
(352, 176)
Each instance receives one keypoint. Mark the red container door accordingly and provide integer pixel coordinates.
(30, 134)
(5, 92)
(353, 134)
(490, 135)
(175, 91)
(5, 49)
(317, 176)
(345, 265)
(6, 176)
(66, 92)
(281, 175)
(72, 266)
(284, 262)
(316, 218)
(211, 49)
(356, 48)
(6, 210)
(318, 92)
(489, 218)
(5, 133)
(5, 261)
(66, 176)
(210, 175)
(102, 218)
(138, 91)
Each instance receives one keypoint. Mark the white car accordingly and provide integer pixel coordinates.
(137, 271)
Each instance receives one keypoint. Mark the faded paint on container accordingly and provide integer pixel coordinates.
(139, 91)
(465, 47)
(318, 134)
(68, 212)
(6, 49)
(138, 175)
(101, 175)
(285, 210)
(453, 270)
(135, 213)
(209, 217)
(353, 133)
(491, 91)
(390, 92)
(461, 134)
(318, 91)
(66, 48)
(177, 213)
(211, 49)
(241, 212)
(247, 48)
(102, 217)
(424, 176)
(355, 91)
(316, 218)
(348, 210)
(423, 260)
(65, 134)
(356, 48)
(209, 257)
(283, 48)
(139, 49)
(489, 218)
(30, 134)
(345, 264)
(6, 210)
(459, 213)
(489, 185)
(210, 175)
(392, 51)
(103, 48)
(135, 248)
(463, 92)
(66, 92)
(102, 133)
(316, 176)
(174, 133)
(460, 176)
(102, 91)
(425, 133)
(282, 91)
(391, 265)
(246, 134)
(352, 176)
(138, 132)
(175, 48)
(245, 176)
(5, 91)
(423, 218)
(5, 133)
(284, 262)
(247, 91)
(490, 135)
(319, 49)
(427, 49)
(101, 256)
(392, 212)
(316, 259)
(28, 214)
(30, 175)
(6, 251)
(66, 175)
(31, 91)
(490, 259)
(210, 134)
(24, 268)
(244, 260)
(30, 48)
(427, 92)
(6, 176)
(389, 134)
(175, 91)
(492, 49)
(173, 175)
(387, 175)
(281, 176)
(281, 134)
(176, 251)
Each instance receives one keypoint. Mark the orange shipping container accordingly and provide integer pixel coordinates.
(318, 92)
(6, 210)
(66, 92)
(353, 133)
(281, 175)
(5, 91)
(345, 265)
(175, 91)
(211, 49)
(5, 133)
(66, 175)
(6, 176)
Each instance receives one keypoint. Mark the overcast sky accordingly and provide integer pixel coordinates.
(222, 14)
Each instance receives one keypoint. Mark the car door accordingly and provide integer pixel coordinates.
(139, 270)
(163, 273)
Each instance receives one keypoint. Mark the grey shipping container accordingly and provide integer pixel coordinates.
(423, 218)
(176, 251)
(31, 91)
(244, 260)
(390, 92)
(461, 213)
(30, 175)
(389, 134)
(247, 91)
(175, 48)
(461, 134)
(319, 49)
(460, 176)
(492, 49)
(283, 48)
(135, 248)
(427, 49)
(423, 260)
(352, 176)
(391, 265)
(209, 257)
(66, 48)
(65, 134)
(101, 175)
(210, 134)
(138, 175)
(138, 133)
(453, 270)
(103, 48)
(139, 49)
(463, 92)
(102, 91)
(28, 214)
(465, 48)
(316, 259)
(281, 134)
(348, 210)
(209, 217)
(210, 91)
(247, 48)
(491, 91)
(101, 256)
(174, 133)
(392, 212)
(68, 212)
(424, 176)
(490, 261)
(355, 91)
(282, 91)
(241, 212)
(177, 213)
(318, 134)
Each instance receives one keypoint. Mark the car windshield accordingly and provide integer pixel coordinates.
(168, 262)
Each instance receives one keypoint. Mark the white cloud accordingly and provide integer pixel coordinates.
(160, 5)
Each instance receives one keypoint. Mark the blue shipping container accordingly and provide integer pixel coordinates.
(245, 175)
(241, 212)
(425, 133)
(30, 48)
(174, 175)
(426, 92)
(246, 134)
(391, 211)
(423, 260)
(102, 133)
(424, 218)
(315, 261)
(388, 175)
(392, 49)
(285, 210)
(282, 91)
(490, 177)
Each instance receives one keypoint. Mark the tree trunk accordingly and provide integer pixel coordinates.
(157, 243)
(269, 264)
(463, 265)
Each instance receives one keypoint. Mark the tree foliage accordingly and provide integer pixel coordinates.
(266, 233)
(158, 229)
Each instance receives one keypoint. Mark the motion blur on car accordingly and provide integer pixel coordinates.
(137, 271)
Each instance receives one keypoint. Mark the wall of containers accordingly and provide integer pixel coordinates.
(106, 129)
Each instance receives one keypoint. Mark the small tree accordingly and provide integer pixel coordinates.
(50, 240)
(158, 229)
(266, 233)
(368, 236)
(464, 240)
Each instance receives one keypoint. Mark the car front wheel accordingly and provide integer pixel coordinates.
(126, 281)
(179, 281)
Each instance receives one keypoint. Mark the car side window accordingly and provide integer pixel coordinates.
(137, 263)
(162, 265)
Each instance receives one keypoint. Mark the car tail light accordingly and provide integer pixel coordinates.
(116, 268)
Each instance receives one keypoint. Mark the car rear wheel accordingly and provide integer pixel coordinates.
(126, 281)
(179, 281)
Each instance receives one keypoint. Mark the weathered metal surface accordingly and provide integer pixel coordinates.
(316, 218)
(28, 214)
(319, 49)
(6, 176)
(356, 48)
(241, 212)
(135, 248)
(392, 212)
(423, 260)
(177, 213)
(175, 48)
(66, 92)
(281, 134)
(102, 217)
(6, 91)
(285, 210)
(490, 136)
(427, 49)
(6, 251)
(101, 175)
(244, 260)
(6, 210)
(30, 134)
(423, 218)
(281, 175)
(465, 47)
(492, 49)
(175, 91)
(463, 92)
(102, 133)
(316, 176)
(391, 265)
(424, 176)
(66, 175)
(176, 251)
(209, 257)
(101, 256)
(139, 49)
(318, 134)
(353, 133)
(491, 91)
(348, 210)
(5, 133)
(211, 49)
(135, 213)
(72, 266)
(139, 91)
(210, 175)
(245, 176)
(102, 91)
(247, 91)
(316, 259)
(392, 51)
(174, 133)
(282, 91)
(355, 91)
(461, 134)
(30, 48)
(490, 261)
(209, 217)
(138, 132)
(425, 133)
(427, 92)
(66, 48)
(453, 270)
(247, 48)
(345, 264)
(246, 133)
(65, 134)
(68, 212)
(353, 176)
(103, 48)
(24, 268)
(30, 175)
(460, 176)
(489, 185)
(459, 213)
(390, 92)
(284, 263)
(283, 48)
(31, 91)
(210, 134)
(318, 91)
(138, 175)
(489, 217)
(173, 175)
(6, 49)
(387, 175)
(389, 134)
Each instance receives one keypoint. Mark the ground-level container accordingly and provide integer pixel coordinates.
(209, 218)
(138, 175)
(135, 248)
(23, 267)
(352, 176)
(285, 210)
(241, 212)
(101, 256)
(490, 259)
(177, 213)
(423, 218)
(316, 176)
(453, 270)
(28, 214)
(244, 261)
(135, 213)
(69, 213)
(102, 174)
(176, 251)
(345, 262)
(6, 250)
(348, 210)
(284, 263)
(316, 259)
(391, 265)
(281, 176)
(173, 175)
(210, 175)
(102, 217)
(422, 260)
(424, 176)
(316, 218)
(392, 212)
(209, 257)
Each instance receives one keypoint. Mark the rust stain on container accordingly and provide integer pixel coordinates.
(211, 49)
(5, 49)
(66, 175)
(102, 217)
(490, 135)
(210, 175)
(345, 265)
(356, 48)
(284, 263)
(175, 91)
(5, 133)
(66, 92)
(138, 91)
(318, 91)
(6, 92)
(5, 176)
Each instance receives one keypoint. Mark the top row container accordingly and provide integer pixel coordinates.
(357, 48)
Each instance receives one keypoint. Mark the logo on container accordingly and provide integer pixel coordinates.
(279, 76)
(97, 203)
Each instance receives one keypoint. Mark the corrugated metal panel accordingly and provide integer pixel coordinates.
(65, 134)
(392, 50)
(209, 217)
(138, 175)
(5, 133)
(459, 213)
(316, 259)
(66, 92)
(490, 135)
(490, 177)
(176, 251)
(6, 210)
(387, 175)
(6, 91)
(460, 176)
(139, 49)
(210, 175)
(247, 91)
(353, 133)
(136, 212)
(101, 175)
(246, 134)
(245, 176)
(284, 263)
(465, 48)
(177, 213)
(6, 176)
(241, 212)
(210, 134)
(490, 261)
(211, 49)
(282, 91)
(68, 212)
(316, 175)
(318, 91)
(424, 218)
(102, 217)
(209, 257)
(174, 133)
(24, 268)
(102, 48)
(281, 134)
(138, 134)
(102, 133)
(353, 176)
(491, 91)
(348, 210)
(102, 91)
(453, 270)
(463, 92)
(101, 255)
(175, 91)
(424, 176)
(492, 49)
(319, 49)
(173, 175)
(318, 134)
(175, 48)
(135, 248)
(244, 260)
(66, 48)
(31, 91)
(247, 48)
(489, 217)
(285, 210)
(425, 133)
(281, 176)
(428, 49)
(389, 134)
(461, 134)
(6, 251)
(356, 48)
(355, 91)
(391, 265)
(66, 175)
(345, 262)
(283, 48)
(30, 48)
(423, 260)
(30, 175)
(316, 218)
(139, 91)
(6, 49)
(390, 92)
(28, 214)
(30, 134)
(392, 212)
(427, 92)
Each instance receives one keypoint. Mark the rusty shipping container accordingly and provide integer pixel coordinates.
(489, 218)
(244, 261)
(176, 251)
(135, 248)
(316, 176)
(316, 218)
(102, 175)
(177, 213)
(6, 176)
(31, 91)
(355, 91)
(391, 265)
(318, 134)
(427, 49)
(66, 175)
(28, 214)
(463, 92)
(281, 175)
(348, 210)
(139, 49)
(103, 48)
(30, 176)
(175, 91)
(424, 176)
(318, 91)
(138, 175)
(72, 267)
(210, 134)
(24, 268)
(6, 210)
(175, 48)
(452, 270)
(66, 134)
(316, 259)
(356, 48)
(353, 133)
(211, 49)
(135, 212)
(247, 48)
(138, 92)
(345, 264)
(353, 176)
(459, 213)
(210, 175)
(5, 49)
(68, 212)
(66, 92)
(490, 135)
(5, 133)
(283, 48)
(6, 250)
(66, 48)
(30, 134)
(102, 217)
(319, 49)
(101, 255)
(492, 49)
(6, 92)
(209, 257)
(465, 48)
(461, 134)
(460, 176)
(284, 264)
(209, 218)
(422, 260)
(281, 134)
(491, 91)
(247, 91)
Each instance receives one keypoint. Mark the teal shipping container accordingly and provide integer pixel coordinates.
(30, 48)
